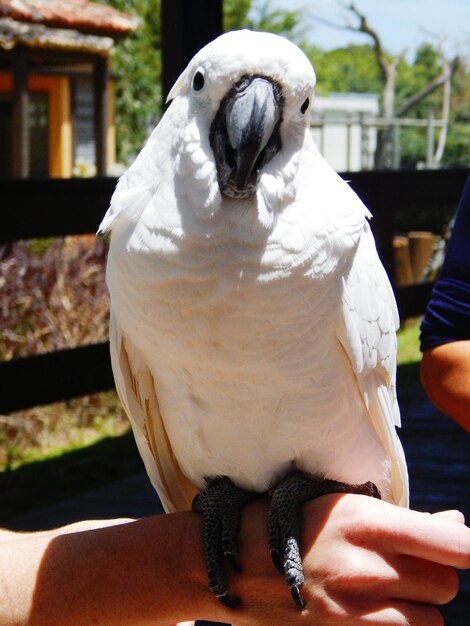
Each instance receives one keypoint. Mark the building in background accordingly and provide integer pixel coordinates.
(344, 131)
(56, 105)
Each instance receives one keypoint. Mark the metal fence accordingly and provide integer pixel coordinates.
(358, 137)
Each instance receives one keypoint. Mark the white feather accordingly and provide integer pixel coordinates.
(250, 336)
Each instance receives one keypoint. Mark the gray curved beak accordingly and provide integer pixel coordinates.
(245, 134)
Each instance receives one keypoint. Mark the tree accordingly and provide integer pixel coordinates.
(349, 69)
(389, 66)
(259, 15)
(137, 68)
(236, 14)
(412, 78)
(457, 150)
(416, 85)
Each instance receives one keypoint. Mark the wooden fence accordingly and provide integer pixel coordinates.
(51, 207)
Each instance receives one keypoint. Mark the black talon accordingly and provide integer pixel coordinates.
(220, 505)
(274, 539)
(233, 561)
(284, 522)
(295, 592)
(231, 602)
(276, 559)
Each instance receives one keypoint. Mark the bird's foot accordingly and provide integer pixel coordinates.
(284, 521)
(220, 505)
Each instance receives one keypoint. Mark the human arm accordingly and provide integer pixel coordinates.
(445, 376)
(445, 329)
(361, 557)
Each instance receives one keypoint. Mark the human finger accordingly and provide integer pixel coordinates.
(422, 581)
(404, 614)
(438, 538)
(364, 575)
(455, 515)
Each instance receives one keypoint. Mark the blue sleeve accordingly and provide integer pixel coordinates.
(447, 316)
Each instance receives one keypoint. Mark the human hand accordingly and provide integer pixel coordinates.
(365, 562)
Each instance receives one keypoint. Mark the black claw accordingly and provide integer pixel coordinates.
(295, 592)
(231, 602)
(276, 559)
(220, 505)
(232, 560)
(284, 521)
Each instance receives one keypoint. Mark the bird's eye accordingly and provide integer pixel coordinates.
(304, 106)
(198, 81)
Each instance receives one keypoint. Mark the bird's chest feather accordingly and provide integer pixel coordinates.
(230, 300)
(240, 339)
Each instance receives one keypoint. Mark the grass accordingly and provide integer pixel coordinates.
(53, 296)
(409, 354)
(50, 480)
(48, 431)
(408, 343)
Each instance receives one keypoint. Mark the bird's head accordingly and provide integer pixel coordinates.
(250, 93)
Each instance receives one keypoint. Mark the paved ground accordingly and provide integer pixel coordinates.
(438, 454)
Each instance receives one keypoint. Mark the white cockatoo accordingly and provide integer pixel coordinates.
(253, 327)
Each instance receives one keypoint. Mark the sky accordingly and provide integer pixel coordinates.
(401, 24)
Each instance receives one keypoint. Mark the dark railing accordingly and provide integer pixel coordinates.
(53, 208)
(48, 208)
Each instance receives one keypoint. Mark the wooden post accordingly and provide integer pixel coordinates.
(186, 27)
(396, 146)
(430, 141)
(403, 270)
(349, 124)
(20, 126)
(421, 249)
(100, 84)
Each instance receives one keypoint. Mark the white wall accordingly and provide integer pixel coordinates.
(346, 144)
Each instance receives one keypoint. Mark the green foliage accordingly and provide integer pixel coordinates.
(411, 78)
(236, 14)
(408, 343)
(137, 65)
(457, 150)
(258, 15)
(353, 68)
(413, 146)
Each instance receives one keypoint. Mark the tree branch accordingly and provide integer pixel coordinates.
(327, 22)
(366, 28)
(429, 88)
(445, 106)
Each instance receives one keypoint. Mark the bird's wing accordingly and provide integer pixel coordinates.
(136, 388)
(126, 197)
(138, 185)
(367, 332)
